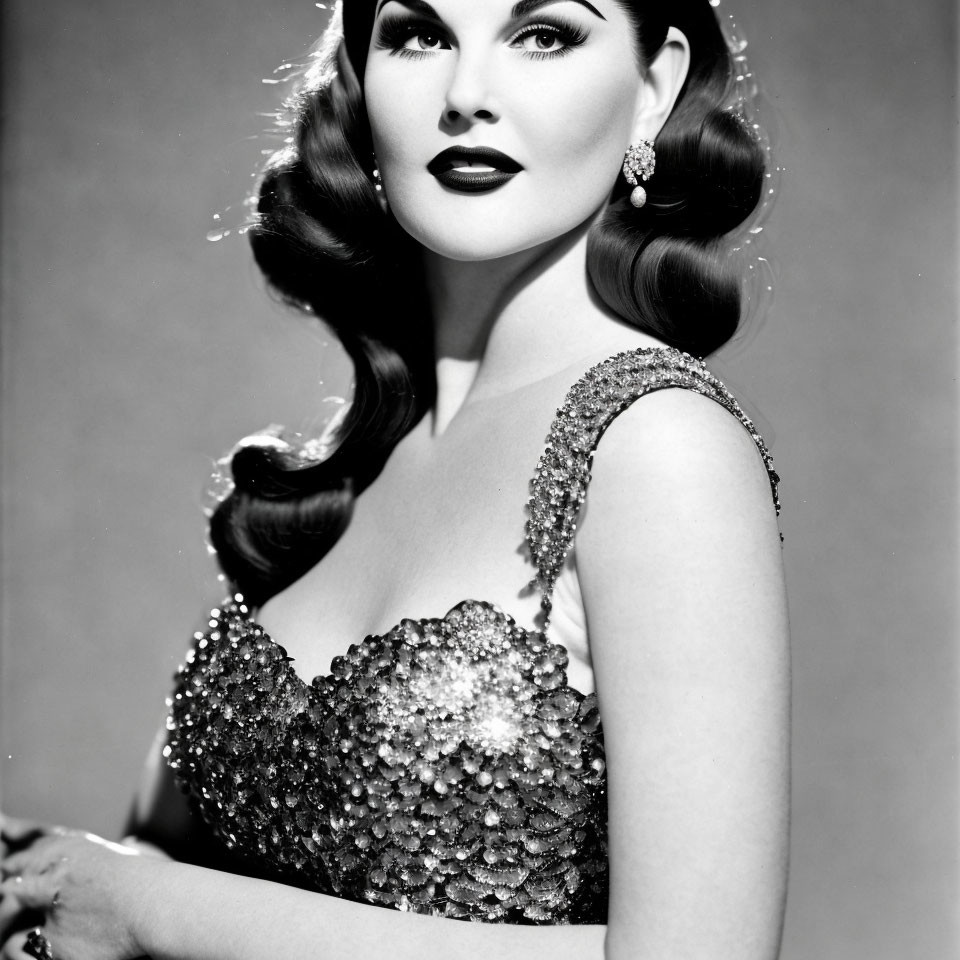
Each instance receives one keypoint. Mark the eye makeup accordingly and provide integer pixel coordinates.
(543, 39)
(556, 30)
(395, 32)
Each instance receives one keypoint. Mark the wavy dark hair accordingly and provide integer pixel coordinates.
(325, 246)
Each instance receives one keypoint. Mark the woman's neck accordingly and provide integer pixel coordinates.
(500, 325)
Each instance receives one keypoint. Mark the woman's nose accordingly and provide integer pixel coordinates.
(469, 95)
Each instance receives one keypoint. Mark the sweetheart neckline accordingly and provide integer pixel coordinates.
(242, 611)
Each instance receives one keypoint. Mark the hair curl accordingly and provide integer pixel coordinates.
(325, 246)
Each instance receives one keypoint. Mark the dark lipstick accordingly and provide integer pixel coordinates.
(451, 168)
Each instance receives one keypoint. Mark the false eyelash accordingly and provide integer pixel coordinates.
(394, 32)
(570, 34)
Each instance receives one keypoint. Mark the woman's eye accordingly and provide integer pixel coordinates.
(422, 40)
(547, 41)
(541, 40)
(408, 37)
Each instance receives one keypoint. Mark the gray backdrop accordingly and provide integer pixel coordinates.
(135, 351)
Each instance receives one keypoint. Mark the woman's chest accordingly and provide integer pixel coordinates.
(443, 522)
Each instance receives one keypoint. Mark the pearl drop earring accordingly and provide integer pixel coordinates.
(640, 161)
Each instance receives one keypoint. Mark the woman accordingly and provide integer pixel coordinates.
(461, 221)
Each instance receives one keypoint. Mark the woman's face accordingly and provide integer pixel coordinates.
(554, 86)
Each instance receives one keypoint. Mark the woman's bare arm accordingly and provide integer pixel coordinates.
(196, 914)
(679, 560)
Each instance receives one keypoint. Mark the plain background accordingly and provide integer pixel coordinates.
(135, 352)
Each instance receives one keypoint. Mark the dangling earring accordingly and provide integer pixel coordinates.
(640, 161)
(378, 184)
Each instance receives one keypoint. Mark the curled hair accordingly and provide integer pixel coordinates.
(666, 268)
(324, 244)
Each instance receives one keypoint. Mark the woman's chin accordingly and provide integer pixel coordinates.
(483, 239)
(480, 243)
(490, 230)
(473, 254)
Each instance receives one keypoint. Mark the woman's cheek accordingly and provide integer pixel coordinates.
(587, 166)
(405, 97)
(390, 115)
(602, 116)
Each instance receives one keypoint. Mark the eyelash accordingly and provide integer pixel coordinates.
(394, 32)
(569, 34)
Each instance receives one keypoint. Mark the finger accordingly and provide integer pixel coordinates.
(19, 829)
(13, 948)
(16, 834)
(12, 828)
(14, 865)
(37, 859)
(35, 891)
(10, 909)
(15, 916)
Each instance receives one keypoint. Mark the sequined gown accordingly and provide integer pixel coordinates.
(445, 767)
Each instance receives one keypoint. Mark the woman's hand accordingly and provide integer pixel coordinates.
(86, 890)
(16, 835)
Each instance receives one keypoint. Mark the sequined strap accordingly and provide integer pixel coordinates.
(560, 482)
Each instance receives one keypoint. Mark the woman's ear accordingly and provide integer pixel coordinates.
(661, 86)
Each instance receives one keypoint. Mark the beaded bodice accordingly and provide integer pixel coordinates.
(445, 767)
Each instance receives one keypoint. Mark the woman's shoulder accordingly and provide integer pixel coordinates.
(649, 456)
(682, 451)
(680, 434)
(659, 413)
(679, 489)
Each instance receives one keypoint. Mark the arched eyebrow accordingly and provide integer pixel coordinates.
(524, 7)
(418, 5)
(520, 9)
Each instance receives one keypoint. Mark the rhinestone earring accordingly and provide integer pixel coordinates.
(640, 162)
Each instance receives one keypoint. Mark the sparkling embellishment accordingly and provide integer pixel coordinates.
(560, 482)
(445, 767)
(639, 163)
